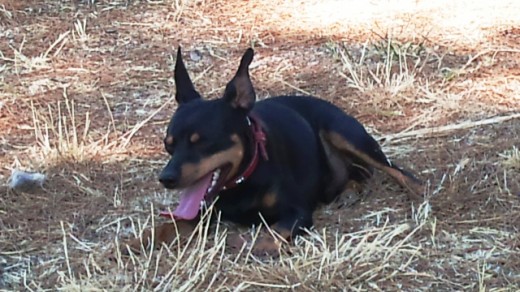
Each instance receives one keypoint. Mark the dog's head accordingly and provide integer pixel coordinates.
(205, 138)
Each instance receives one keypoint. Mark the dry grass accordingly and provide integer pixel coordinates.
(85, 95)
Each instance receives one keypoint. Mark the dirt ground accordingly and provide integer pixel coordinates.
(86, 93)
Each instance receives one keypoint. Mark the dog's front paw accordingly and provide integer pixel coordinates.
(267, 246)
(137, 245)
(236, 241)
(264, 246)
(163, 234)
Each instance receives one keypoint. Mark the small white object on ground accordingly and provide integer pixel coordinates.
(195, 55)
(26, 182)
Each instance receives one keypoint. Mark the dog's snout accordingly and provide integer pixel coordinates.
(169, 178)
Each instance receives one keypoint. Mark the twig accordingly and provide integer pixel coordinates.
(444, 130)
(128, 135)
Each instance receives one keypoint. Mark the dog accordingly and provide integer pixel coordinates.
(271, 161)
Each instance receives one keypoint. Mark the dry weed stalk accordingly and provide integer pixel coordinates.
(394, 74)
(25, 64)
(57, 132)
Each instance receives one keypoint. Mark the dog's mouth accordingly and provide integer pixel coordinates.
(202, 191)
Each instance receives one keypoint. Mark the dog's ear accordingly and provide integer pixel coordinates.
(185, 89)
(239, 91)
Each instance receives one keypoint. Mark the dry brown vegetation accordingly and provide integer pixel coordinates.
(85, 95)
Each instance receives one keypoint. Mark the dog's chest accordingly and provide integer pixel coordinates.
(244, 207)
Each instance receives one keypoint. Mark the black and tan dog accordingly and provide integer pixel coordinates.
(278, 158)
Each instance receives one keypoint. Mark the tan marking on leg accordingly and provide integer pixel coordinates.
(168, 232)
(284, 233)
(267, 245)
(354, 186)
(409, 183)
(269, 200)
(165, 233)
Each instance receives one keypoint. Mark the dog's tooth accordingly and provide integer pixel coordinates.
(214, 180)
(215, 177)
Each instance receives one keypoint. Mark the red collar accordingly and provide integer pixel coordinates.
(260, 139)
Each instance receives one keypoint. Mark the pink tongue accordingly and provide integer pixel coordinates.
(191, 197)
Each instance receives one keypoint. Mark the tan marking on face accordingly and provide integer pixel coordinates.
(168, 140)
(235, 138)
(191, 172)
(194, 137)
(341, 144)
(269, 200)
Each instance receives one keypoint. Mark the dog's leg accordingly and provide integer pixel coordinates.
(374, 157)
(165, 233)
(290, 225)
(269, 242)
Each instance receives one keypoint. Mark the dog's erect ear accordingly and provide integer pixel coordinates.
(239, 91)
(185, 89)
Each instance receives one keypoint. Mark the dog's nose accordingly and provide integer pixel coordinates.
(169, 178)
